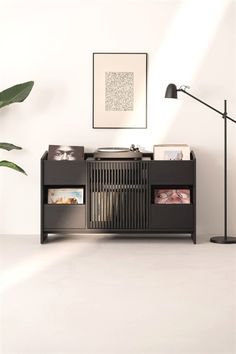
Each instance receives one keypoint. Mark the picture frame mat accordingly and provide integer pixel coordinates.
(120, 62)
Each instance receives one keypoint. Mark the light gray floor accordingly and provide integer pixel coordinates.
(89, 295)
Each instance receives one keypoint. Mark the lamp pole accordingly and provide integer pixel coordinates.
(225, 239)
(225, 167)
(171, 92)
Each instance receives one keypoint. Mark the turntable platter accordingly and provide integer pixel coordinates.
(113, 149)
(116, 153)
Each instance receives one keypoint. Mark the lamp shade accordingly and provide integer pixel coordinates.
(171, 91)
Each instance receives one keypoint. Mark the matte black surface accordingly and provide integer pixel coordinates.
(43, 235)
(118, 197)
(223, 240)
(209, 106)
(118, 194)
(171, 91)
(172, 216)
(194, 199)
(225, 173)
(64, 216)
(171, 172)
(64, 172)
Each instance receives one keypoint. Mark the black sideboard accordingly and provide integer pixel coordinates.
(118, 196)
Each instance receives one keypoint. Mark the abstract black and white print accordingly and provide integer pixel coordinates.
(119, 91)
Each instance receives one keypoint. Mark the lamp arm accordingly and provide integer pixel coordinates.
(206, 104)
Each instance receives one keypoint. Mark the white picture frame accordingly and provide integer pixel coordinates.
(119, 90)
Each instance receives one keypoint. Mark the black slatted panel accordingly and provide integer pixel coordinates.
(119, 196)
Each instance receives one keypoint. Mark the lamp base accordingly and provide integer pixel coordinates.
(222, 239)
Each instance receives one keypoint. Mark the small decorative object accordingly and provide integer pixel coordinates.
(134, 148)
(171, 92)
(119, 90)
(65, 196)
(171, 152)
(62, 152)
(172, 196)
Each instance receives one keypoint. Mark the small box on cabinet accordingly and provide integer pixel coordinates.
(171, 152)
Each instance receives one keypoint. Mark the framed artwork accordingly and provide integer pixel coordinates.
(119, 90)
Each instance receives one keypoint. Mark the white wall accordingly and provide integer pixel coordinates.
(51, 42)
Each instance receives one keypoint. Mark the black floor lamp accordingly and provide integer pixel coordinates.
(171, 92)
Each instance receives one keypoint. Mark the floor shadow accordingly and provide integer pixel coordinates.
(103, 238)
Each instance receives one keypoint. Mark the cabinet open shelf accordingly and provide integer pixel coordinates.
(181, 193)
(64, 188)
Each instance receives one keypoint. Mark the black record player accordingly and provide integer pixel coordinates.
(118, 153)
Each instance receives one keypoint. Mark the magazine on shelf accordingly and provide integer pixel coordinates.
(172, 196)
(65, 196)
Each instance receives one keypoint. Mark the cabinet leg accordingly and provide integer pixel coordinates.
(43, 238)
(193, 236)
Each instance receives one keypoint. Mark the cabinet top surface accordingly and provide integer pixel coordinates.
(147, 157)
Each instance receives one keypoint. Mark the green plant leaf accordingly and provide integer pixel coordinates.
(17, 93)
(9, 147)
(12, 165)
